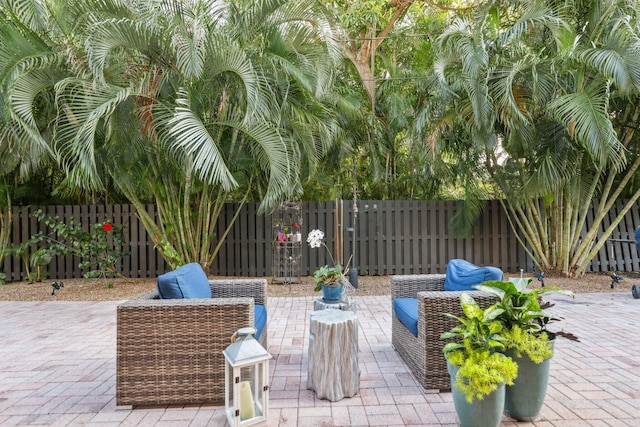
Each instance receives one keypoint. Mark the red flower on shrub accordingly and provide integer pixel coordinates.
(107, 227)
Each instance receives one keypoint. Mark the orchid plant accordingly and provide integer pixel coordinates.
(326, 275)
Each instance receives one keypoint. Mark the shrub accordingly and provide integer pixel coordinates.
(98, 250)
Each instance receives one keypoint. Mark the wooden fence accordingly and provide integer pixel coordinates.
(392, 237)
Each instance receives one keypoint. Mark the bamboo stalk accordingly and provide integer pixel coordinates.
(604, 207)
(510, 214)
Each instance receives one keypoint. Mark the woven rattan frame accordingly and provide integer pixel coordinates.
(423, 354)
(169, 352)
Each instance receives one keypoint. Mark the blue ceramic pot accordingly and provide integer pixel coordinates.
(524, 399)
(332, 294)
(479, 413)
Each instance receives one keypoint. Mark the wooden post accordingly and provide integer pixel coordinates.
(338, 232)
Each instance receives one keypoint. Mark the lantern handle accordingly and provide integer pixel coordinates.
(243, 332)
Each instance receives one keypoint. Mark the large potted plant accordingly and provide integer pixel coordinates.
(328, 279)
(527, 341)
(478, 369)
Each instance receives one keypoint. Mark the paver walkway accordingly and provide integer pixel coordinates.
(57, 368)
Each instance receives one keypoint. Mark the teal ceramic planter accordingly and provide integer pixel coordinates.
(332, 294)
(479, 413)
(524, 399)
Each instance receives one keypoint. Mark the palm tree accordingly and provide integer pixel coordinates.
(28, 70)
(193, 104)
(543, 99)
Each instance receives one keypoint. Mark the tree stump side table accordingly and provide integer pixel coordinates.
(333, 354)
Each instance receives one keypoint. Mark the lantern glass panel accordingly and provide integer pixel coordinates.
(230, 396)
(251, 391)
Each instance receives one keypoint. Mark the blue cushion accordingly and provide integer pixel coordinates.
(260, 314)
(187, 281)
(406, 310)
(463, 276)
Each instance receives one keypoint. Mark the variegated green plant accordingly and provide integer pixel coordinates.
(476, 350)
(523, 317)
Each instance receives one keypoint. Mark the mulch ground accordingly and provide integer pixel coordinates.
(124, 289)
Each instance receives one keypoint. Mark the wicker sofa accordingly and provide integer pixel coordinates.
(169, 351)
(423, 354)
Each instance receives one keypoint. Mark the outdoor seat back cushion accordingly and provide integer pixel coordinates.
(187, 281)
(190, 281)
(461, 275)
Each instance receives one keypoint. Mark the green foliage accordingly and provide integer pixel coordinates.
(522, 317)
(99, 250)
(190, 107)
(477, 341)
(327, 276)
(169, 253)
(37, 276)
(537, 347)
(481, 372)
(542, 101)
(363, 14)
(521, 306)
(239, 98)
(22, 251)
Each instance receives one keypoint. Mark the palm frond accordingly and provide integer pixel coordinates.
(276, 158)
(539, 14)
(111, 34)
(585, 118)
(19, 45)
(26, 89)
(33, 14)
(226, 56)
(555, 160)
(192, 136)
(83, 109)
(512, 100)
(618, 58)
(189, 39)
(23, 147)
(467, 44)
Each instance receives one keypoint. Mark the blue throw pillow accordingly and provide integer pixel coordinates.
(260, 314)
(406, 310)
(463, 276)
(187, 281)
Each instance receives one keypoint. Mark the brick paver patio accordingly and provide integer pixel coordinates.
(57, 368)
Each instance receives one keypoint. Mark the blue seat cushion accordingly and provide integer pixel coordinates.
(461, 275)
(187, 281)
(406, 310)
(260, 314)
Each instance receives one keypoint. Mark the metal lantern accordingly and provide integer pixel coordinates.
(246, 396)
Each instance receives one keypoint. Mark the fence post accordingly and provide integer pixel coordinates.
(338, 231)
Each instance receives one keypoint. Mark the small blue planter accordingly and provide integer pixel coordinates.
(332, 294)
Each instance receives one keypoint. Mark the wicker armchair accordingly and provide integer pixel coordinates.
(169, 351)
(423, 354)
